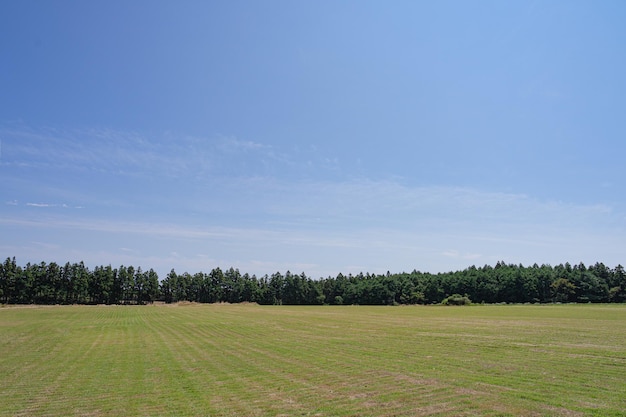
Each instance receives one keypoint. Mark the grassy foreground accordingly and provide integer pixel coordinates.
(248, 360)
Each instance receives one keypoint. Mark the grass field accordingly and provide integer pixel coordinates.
(248, 360)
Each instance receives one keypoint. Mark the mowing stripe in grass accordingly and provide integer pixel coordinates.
(246, 360)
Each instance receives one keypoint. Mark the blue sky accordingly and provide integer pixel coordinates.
(317, 137)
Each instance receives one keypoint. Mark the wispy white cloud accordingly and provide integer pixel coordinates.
(40, 205)
(245, 204)
(452, 253)
(362, 227)
(131, 154)
(231, 144)
(51, 205)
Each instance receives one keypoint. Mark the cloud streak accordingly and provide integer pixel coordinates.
(121, 153)
(427, 228)
(246, 204)
(50, 205)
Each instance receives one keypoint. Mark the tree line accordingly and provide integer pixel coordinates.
(74, 283)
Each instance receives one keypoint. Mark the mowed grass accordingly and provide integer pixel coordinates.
(248, 360)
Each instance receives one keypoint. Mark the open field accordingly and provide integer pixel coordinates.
(249, 360)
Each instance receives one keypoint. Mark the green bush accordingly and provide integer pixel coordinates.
(457, 300)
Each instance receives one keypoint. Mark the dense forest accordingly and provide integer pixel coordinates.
(503, 283)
